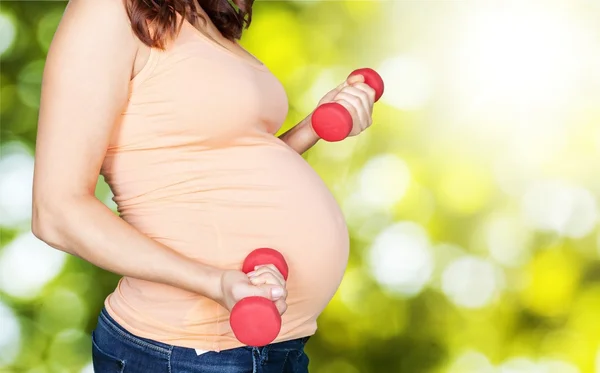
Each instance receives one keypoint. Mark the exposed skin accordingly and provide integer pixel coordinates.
(354, 95)
(84, 89)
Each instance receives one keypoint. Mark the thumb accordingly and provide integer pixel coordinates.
(341, 86)
(355, 78)
(352, 79)
(272, 292)
(329, 96)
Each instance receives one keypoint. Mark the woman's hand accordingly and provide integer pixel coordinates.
(354, 95)
(265, 281)
(358, 98)
(270, 275)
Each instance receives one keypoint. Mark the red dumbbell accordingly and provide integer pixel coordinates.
(255, 321)
(331, 121)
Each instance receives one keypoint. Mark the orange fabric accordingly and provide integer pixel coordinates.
(195, 165)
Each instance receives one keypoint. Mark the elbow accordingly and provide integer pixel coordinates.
(53, 224)
(45, 223)
(41, 222)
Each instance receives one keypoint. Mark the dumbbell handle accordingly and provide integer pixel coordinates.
(331, 121)
(255, 321)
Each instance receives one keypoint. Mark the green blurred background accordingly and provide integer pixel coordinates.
(471, 202)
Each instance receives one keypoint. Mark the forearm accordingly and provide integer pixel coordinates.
(87, 228)
(300, 137)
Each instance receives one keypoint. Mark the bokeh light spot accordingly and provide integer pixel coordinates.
(10, 336)
(400, 258)
(527, 365)
(46, 28)
(508, 241)
(518, 365)
(384, 180)
(7, 33)
(27, 264)
(30, 83)
(560, 207)
(519, 64)
(88, 368)
(471, 362)
(326, 79)
(471, 282)
(70, 349)
(62, 309)
(16, 168)
(557, 366)
(408, 83)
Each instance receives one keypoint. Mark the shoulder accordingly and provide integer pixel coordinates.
(89, 27)
(99, 8)
(102, 17)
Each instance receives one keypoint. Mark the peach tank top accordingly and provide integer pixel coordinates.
(194, 163)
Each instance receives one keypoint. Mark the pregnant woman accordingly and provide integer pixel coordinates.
(159, 98)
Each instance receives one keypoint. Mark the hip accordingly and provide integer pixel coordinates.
(173, 316)
(114, 349)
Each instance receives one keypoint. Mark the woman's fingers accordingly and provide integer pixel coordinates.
(360, 117)
(269, 282)
(368, 91)
(281, 306)
(261, 271)
(266, 278)
(269, 275)
(363, 98)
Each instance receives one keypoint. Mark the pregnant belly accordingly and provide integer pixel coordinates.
(232, 201)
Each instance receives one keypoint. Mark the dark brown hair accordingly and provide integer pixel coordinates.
(154, 22)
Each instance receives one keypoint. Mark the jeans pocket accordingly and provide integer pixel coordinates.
(104, 362)
(302, 362)
(296, 362)
(113, 328)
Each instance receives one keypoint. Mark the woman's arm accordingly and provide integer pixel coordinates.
(353, 94)
(301, 137)
(84, 90)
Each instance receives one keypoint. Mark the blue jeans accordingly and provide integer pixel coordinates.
(115, 350)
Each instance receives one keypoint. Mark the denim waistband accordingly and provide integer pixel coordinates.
(165, 348)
